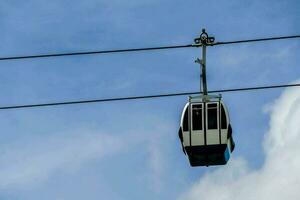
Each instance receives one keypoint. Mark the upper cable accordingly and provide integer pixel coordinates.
(212, 43)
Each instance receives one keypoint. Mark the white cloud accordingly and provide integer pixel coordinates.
(278, 178)
(28, 162)
(157, 164)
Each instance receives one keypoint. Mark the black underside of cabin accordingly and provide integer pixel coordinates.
(207, 155)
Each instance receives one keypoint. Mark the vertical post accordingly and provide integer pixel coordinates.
(203, 41)
(203, 74)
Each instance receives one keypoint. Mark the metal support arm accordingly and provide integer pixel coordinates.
(203, 41)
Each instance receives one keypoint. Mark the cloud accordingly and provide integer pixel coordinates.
(278, 178)
(28, 162)
(156, 164)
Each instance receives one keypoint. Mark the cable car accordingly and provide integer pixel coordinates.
(205, 131)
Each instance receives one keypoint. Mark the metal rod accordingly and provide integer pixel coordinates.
(204, 40)
(203, 74)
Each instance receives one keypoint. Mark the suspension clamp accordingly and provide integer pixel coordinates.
(204, 39)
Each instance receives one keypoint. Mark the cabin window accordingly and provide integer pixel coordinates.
(212, 116)
(223, 118)
(186, 120)
(197, 117)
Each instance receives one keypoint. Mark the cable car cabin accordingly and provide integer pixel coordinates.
(205, 131)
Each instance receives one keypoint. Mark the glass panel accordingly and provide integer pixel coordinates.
(223, 118)
(186, 120)
(212, 117)
(197, 117)
(211, 105)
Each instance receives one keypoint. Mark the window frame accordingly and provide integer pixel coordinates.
(209, 107)
(201, 119)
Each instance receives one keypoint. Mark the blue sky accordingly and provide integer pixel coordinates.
(130, 150)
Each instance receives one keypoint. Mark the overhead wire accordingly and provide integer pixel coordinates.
(144, 97)
(135, 50)
(142, 49)
(257, 40)
(95, 52)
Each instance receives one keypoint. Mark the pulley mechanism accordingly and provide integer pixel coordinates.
(204, 39)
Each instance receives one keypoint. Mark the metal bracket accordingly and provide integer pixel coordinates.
(205, 98)
(204, 39)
